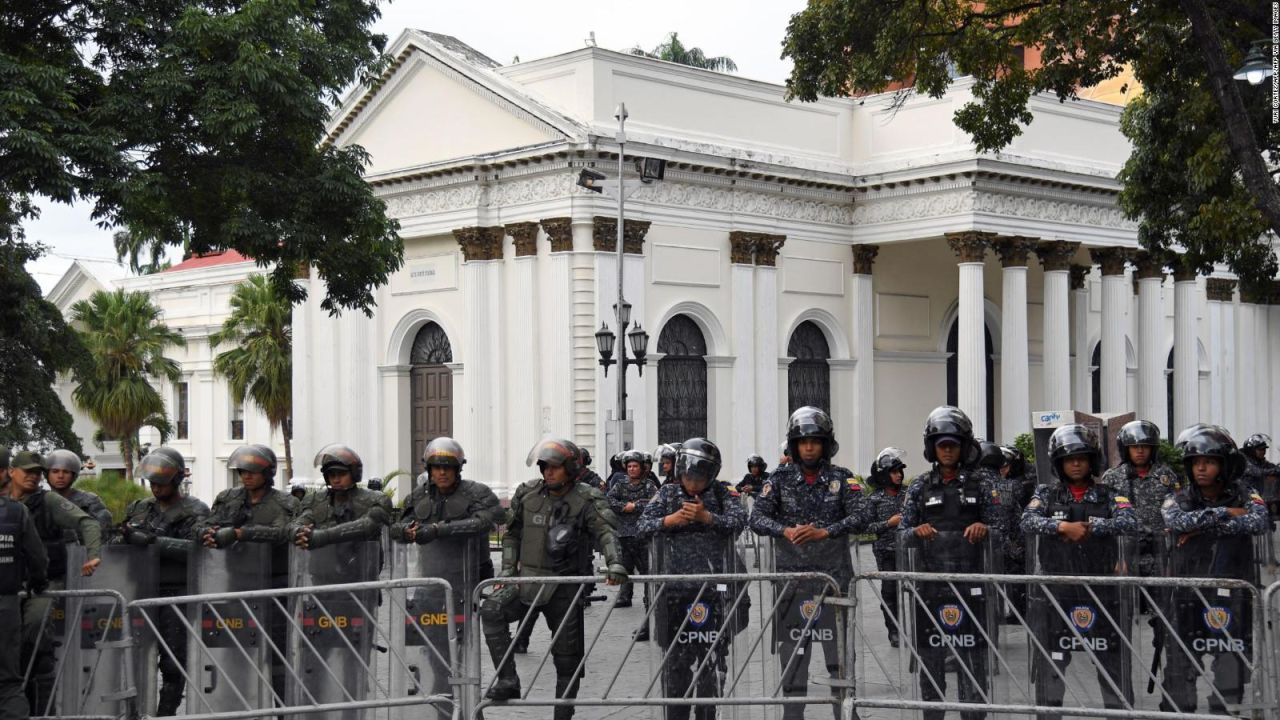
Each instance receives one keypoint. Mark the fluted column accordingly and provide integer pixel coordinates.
(1153, 402)
(481, 412)
(556, 412)
(1082, 389)
(524, 407)
(742, 274)
(1186, 358)
(864, 376)
(971, 376)
(1055, 258)
(1115, 296)
(1015, 365)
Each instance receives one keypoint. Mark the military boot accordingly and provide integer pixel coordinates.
(170, 699)
(507, 686)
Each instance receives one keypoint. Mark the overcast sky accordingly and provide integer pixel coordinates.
(748, 31)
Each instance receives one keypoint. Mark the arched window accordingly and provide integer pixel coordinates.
(808, 375)
(953, 381)
(431, 387)
(682, 381)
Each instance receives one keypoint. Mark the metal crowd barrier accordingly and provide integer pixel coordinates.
(85, 692)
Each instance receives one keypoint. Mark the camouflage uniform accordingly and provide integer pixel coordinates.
(92, 505)
(754, 481)
(881, 506)
(635, 549)
(1147, 495)
(361, 516)
(470, 509)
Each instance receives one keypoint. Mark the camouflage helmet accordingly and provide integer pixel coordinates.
(444, 452)
(159, 467)
(1214, 442)
(336, 456)
(556, 452)
(63, 460)
(254, 458)
(1074, 439)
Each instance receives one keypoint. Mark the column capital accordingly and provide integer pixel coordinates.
(767, 247)
(604, 234)
(1013, 250)
(742, 247)
(1219, 289)
(864, 256)
(970, 245)
(1148, 265)
(480, 242)
(1110, 259)
(1079, 275)
(559, 232)
(1056, 254)
(525, 237)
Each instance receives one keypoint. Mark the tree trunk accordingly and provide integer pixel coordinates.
(1240, 134)
(288, 453)
(126, 454)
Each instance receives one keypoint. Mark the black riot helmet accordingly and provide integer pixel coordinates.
(631, 456)
(947, 420)
(556, 452)
(646, 460)
(446, 452)
(664, 453)
(161, 468)
(1215, 442)
(1255, 441)
(615, 463)
(1016, 461)
(990, 456)
(339, 456)
(698, 459)
(811, 422)
(1070, 440)
(586, 458)
(757, 461)
(889, 459)
(1137, 433)
(253, 458)
(1183, 436)
(63, 460)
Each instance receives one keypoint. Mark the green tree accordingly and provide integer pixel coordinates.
(116, 492)
(672, 50)
(260, 366)
(1198, 176)
(126, 340)
(203, 123)
(36, 344)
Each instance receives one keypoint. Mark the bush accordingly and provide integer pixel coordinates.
(1026, 444)
(115, 491)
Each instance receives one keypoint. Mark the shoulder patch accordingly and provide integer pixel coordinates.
(1256, 498)
(1122, 502)
(768, 488)
(1035, 503)
(833, 487)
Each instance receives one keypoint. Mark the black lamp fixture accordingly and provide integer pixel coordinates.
(638, 339)
(1256, 68)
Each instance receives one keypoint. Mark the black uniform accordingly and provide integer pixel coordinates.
(23, 562)
(881, 506)
(635, 548)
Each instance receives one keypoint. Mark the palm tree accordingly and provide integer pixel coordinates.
(674, 51)
(260, 366)
(126, 340)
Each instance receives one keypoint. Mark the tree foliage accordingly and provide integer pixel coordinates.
(35, 345)
(672, 50)
(116, 492)
(199, 123)
(259, 366)
(126, 340)
(1198, 176)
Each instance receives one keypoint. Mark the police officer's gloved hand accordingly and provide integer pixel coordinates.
(137, 536)
(320, 538)
(616, 573)
(426, 533)
(222, 537)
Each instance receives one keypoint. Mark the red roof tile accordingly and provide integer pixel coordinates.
(202, 261)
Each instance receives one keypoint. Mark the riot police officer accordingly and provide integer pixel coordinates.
(62, 470)
(884, 513)
(810, 509)
(23, 564)
(587, 476)
(1146, 481)
(1260, 474)
(55, 519)
(628, 499)
(751, 483)
(1212, 520)
(665, 456)
(166, 519)
(946, 517)
(693, 523)
(1076, 523)
(344, 512)
(298, 489)
(1017, 487)
(253, 512)
(553, 525)
(448, 506)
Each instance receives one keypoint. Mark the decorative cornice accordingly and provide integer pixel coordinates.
(525, 237)
(559, 232)
(965, 200)
(1079, 274)
(970, 246)
(1110, 259)
(742, 247)
(864, 256)
(1013, 250)
(767, 247)
(1219, 289)
(480, 243)
(604, 234)
(731, 199)
(1056, 254)
(1147, 265)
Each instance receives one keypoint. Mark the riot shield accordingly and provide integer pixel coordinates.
(697, 623)
(104, 654)
(430, 662)
(230, 667)
(331, 634)
(951, 626)
(1081, 635)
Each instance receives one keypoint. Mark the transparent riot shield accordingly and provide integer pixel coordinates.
(1208, 630)
(230, 667)
(331, 634)
(430, 660)
(951, 625)
(107, 652)
(1080, 646)
(697, 623)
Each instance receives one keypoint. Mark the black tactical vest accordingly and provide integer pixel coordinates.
(952, 506)
(11, 570)
(55, 540)
(1214, 556)
(1094, 556)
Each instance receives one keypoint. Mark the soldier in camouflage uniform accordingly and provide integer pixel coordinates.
(1147, 482)
(952, 502)
(167, 519)
(884, 513)
(553, 525)
(447, 505)
(810, 508)
(61, 471)
(1078, 521)
(627, 500)
(344, 512)
(693, 522)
